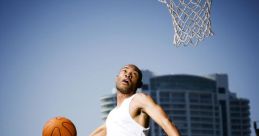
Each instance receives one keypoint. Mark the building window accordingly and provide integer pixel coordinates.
(222, 90)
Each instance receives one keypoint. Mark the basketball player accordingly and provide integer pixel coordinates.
(131, 115)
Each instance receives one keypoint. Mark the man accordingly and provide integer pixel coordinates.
(131, 115)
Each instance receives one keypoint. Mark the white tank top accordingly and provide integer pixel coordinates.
(120, 123)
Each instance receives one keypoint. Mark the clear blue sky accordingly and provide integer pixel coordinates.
(58, 57)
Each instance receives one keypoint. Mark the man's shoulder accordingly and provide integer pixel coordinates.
(143, 100)
(142, 97)
(141, 94)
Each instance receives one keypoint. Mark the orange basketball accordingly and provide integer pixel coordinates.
(59, 126)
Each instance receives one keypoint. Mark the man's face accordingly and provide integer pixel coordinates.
(128, 79)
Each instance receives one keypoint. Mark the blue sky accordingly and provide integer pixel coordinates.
(59, 57)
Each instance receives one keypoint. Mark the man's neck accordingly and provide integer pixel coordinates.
(121, 97)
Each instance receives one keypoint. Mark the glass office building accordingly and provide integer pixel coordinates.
(108, 102)
(198, 105)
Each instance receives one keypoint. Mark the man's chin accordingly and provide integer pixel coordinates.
(124, 91)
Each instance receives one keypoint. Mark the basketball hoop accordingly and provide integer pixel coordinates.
(191, 20)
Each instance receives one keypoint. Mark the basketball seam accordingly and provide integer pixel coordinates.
(54, 130)
(67, 128)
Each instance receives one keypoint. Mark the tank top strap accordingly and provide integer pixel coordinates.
(127, 102)
(131, 97)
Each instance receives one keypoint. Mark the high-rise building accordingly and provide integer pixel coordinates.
(198, 105)
(108, 102)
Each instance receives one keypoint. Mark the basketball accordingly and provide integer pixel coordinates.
(59, 126)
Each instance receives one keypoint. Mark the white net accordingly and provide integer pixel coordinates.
(191, 20)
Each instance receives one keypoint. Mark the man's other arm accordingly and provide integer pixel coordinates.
(100, 131)
(157, 114)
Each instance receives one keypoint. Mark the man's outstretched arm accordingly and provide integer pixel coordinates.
(100, 131)
(157, 114)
